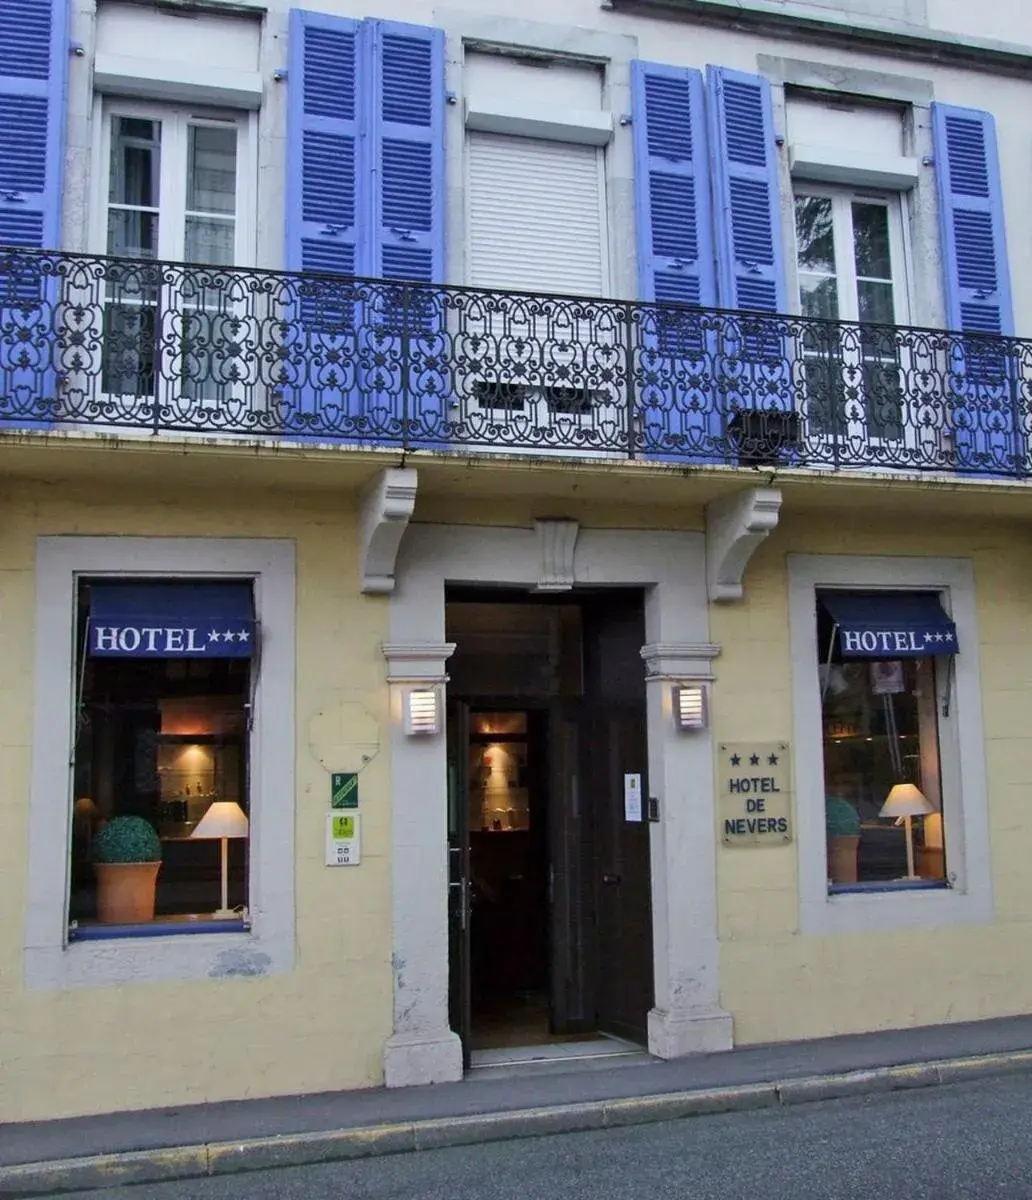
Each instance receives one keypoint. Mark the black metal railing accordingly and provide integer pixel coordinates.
(112, 343)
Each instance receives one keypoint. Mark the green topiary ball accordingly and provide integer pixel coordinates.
(842, 818)
(127, 840)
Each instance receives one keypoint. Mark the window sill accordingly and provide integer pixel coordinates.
(157, 929)
(888, 885)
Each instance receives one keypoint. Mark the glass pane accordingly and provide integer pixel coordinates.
(815, 238)
(209, 240)
(159, 741)
(871, 241)
(129, 350)
(499, 800)
(135, 162)
(876, 303)
(132, 233)
(819, 297)
(879, 730)
(211, 170)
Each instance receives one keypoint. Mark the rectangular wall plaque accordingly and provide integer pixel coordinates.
(755, 805)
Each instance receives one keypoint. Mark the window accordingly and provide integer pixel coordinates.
(173, 186)
(71, 575)
(849, 248)
(837, 685)
(885, 658)
(164, 675)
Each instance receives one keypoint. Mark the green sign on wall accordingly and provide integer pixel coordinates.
(343, 790)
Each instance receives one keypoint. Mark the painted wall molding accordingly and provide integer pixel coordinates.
(387, 508)
(735, 526)
(679, 660)
(417, 662)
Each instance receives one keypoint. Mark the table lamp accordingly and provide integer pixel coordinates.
(906, 800)
(224, 819)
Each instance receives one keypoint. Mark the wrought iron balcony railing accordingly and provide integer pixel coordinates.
(104, 344)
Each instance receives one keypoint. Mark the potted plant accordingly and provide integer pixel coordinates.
(127, 858)
(843, 830)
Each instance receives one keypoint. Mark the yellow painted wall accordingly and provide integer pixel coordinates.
(320, 1027)
(779, 984)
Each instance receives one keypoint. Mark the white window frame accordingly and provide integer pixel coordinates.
(842, 200)
(267, 947)
(175, 118)
(968, 899)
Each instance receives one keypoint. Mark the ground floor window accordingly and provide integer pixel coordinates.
(886, 662)
(164, 677)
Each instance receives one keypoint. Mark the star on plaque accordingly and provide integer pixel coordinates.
(772, 761)
(736, 760)
(754, 760)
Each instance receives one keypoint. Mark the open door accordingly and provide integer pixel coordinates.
(460, 1014)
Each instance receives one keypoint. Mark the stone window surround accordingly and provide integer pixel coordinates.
(268, 946)
(671, 568)
(962, 747)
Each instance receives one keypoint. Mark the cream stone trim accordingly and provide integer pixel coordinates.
(969, 898)
(50, 961)
(688, 660)
(387, 508)
(671, 568)
(735, 526)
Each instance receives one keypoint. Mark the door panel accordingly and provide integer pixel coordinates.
(613, 744)
(459, 899)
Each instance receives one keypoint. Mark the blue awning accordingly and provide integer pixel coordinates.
(890, 625)
(171, 620)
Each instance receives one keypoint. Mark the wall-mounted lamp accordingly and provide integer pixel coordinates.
(690, 708)
(422, 712)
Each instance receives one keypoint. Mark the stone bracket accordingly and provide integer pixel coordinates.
(557, 540)
(735, 526)
(417, 662)
(387, 507)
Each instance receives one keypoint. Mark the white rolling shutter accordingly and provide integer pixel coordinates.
(535, 215)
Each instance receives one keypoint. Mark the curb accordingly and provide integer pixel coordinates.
(302, 1149)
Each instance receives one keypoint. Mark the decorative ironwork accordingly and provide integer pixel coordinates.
(108, 343)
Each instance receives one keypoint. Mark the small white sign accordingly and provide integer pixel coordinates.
(343, 839)
(632, 797)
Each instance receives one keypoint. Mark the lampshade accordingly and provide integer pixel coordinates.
(224, 819)
(86, 808)
(906, 800)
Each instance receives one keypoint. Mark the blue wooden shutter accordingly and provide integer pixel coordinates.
(756, 386)
(675, 221)
(745, 172)
(33, 73)
(676, 266)
(983, 374)
(407, 152)
(323, 144)
(33, 76)
(978, 296)
(403, 382)
(324, 222)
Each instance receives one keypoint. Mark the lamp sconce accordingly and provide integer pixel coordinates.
(421, 710)
(691, 710)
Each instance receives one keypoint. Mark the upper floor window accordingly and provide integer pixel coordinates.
(175, 185)
(850, 254)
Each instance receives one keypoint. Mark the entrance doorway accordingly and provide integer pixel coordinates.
(550, 912)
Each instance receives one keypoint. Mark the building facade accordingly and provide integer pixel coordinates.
(521, 511)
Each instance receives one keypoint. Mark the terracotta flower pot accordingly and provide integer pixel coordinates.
(125, 892)
(842, 855)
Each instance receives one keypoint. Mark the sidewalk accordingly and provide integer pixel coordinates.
(39, 1158)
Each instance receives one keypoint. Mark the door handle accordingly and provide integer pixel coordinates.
(610, 879)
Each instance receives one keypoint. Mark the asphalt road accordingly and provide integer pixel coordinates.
(949, 1143)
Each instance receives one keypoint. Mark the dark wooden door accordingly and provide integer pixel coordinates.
(460, 1012)
(613, 747)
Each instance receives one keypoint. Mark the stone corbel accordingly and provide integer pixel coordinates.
(735, 526)
(557, 540)
(385, 513)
